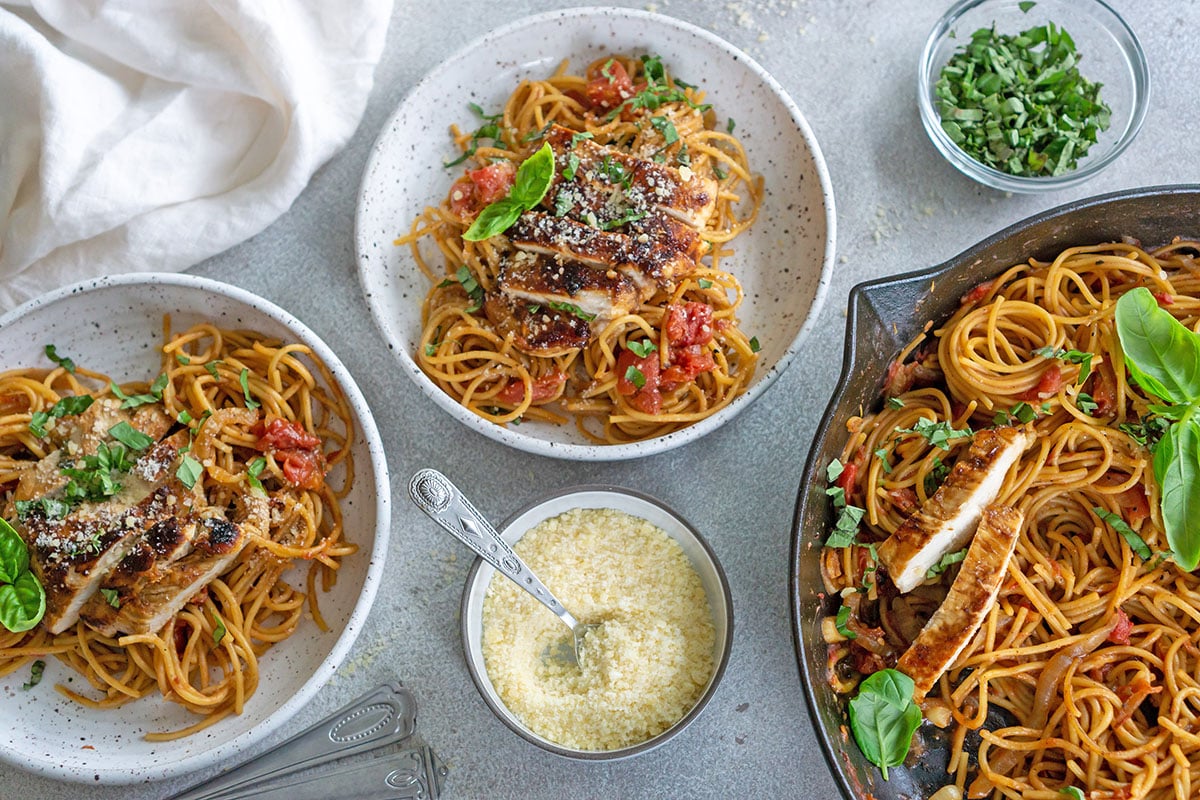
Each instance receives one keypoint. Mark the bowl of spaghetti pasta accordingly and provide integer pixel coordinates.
(992, 563)
(192, 484)
(595, 233)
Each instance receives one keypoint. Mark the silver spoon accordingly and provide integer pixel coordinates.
(433, 493)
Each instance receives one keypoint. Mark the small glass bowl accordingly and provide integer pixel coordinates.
(1109, 53)
(698, 552)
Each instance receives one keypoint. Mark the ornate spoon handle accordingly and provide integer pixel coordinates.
(442, 502)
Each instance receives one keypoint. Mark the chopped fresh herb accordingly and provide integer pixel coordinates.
(1118, 524)
(895, 403)
(111, 597)
(843, 616)
(945, 562)
(572, 309)
(846, 527)
(1085, 403)
(62, 361)
(1026, 6)
(1071, 357)
(682, 157)
(754, 345)
(538, 134)
(628, 216)
(730, 125)
(489, 130)
(1018, 103)
(466, 279)
(67, 406)
(883, 718)
(35, 674)
(834, 470)
(49, 508)
(572, 167)
(211, 366)
(219, 632)
(720, 173)
(244, 380)
(936, 476)
(563, 203)
(183, 360)
(1073, 792)
(130, 436)
(530, 185)
(937, 434)
(189, 471)
(657, 91)
(643, 348)
(882, 454)
(704, 283)
(667, 129)
(635, 376)
(253, 470)
(579, 137)
(92, 476)
(606, 71)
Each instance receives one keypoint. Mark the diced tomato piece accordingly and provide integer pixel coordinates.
(848, 478)
(866, 662)
(492, 182)
(685, 365)
(1134, 505)
(904, 499)
(976, 294)
(278, 433)
(462, 197)
(544, 388)
(302, 468)
(1047, 386)
(1164, 298)
(1120, 632)
(608, 86)
(688, 324)
(647, 398)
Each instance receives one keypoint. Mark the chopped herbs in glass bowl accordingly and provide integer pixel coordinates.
(1032, 95)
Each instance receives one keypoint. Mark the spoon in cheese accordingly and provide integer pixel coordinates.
(433, 493)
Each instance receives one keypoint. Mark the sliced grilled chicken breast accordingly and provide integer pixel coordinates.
(544, 332)
(681, 193)
(967, 604)
(945, 521)
(547, 282)
(641, 260)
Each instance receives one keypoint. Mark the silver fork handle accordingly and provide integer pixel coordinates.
(433, 493)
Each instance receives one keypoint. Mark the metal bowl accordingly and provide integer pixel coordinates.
(703, 559)
(884, 315)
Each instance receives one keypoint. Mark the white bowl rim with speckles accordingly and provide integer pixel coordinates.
(393, 192)
(293, 671)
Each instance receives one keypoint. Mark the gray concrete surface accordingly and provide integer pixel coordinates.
(851, 68)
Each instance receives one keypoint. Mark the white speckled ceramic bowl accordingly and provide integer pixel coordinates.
(783, 261)
(697, 550)
(114, 325)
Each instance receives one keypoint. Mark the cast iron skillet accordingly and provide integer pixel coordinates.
(883, 316)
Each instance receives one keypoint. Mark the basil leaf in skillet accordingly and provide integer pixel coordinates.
(883, 718)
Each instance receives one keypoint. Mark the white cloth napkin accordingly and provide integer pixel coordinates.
(147, 135)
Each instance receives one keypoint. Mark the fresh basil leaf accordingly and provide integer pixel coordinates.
(935, 477)
(572, 167)
(62, 361)
(14, 555)
(244, 380)
(643, 348)
(219, 632)
(1085, 403)
(1026, 6)
(1073, 792)
(50, 508)
(882, 455)
(945, 562)
(183, 360)
(253, 470)
(1162, 355)
(628, 216)
(572, 309)
(846, 527)
(189, 471)
(754, 345)
(211, 366)
(704, 283)
(719, 173)
(895, 403)
(843, 616)
(937, 434)
(22, 603)
(130, 436)
(635, 376)
(883, 718)
(67, 406)
(36, 669)
(495, 219)
(133, 401)
(1177, 468)
(834, 470)
(534, 177)
(111, 597)
(730, 125)
(1118, 524)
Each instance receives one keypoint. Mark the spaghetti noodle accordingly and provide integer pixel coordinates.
(629, 107)
(1089, 653)
(262, 426)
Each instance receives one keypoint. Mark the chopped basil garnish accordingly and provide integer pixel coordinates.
(110, 596)
(937, 434)
(643, 348)
(635, 376)
(219, 632)
(730, 125)
(572, 309)
(244, 380)
(1071, 357)
(62, 361)
(704, 283)
(529, 187)
(35, 674)
(628, 216)
(935, 477)
(895, 403)
(211, 366)
(754, 345)
(1118, 524)
(489, 130)
(1085, 403)
(67, 406)
(253, 470)
(945, 562)
(843, 616)
(183, 359)
(130, 436)
(189, 471)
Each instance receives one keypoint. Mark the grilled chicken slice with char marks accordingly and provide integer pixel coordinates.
(643, 263)
(944, 523)
(177, 559)
(540, 281)
(681, 193)
(970, 598)
(544, 332)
